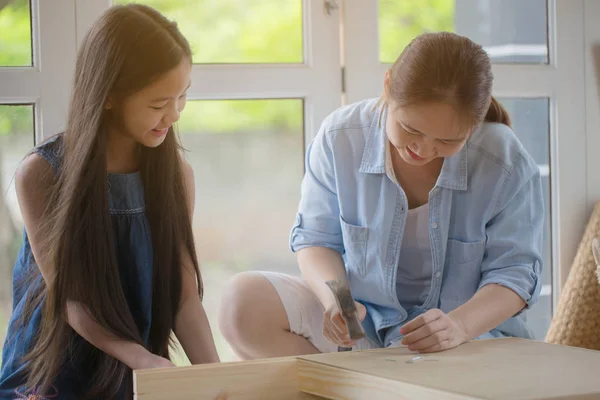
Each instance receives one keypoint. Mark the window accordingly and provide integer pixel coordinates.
(265, 31)
(15, 33)
(247, 157)
(33, 104)
(511, 31)
(401, 21)
(16, 138)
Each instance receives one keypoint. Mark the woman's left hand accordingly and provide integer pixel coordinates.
(433, 331)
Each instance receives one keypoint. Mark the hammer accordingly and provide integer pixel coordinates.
(348, 311)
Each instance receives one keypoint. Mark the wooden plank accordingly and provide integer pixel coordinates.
(508, 368)
(268, 379)
(338, 383)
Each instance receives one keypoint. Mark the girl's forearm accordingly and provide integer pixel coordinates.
(193, 331)
(130, 353)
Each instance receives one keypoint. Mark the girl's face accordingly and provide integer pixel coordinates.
(424, 132)
(147, 115)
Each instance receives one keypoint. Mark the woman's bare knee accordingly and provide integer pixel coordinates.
(250, 306)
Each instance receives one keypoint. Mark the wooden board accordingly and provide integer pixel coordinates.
(509, 368)
(515, 369)
(269, 379)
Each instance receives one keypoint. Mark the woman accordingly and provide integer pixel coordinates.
(425, 200)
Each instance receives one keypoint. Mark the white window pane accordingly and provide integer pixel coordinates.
(511, 31)
(237, 31)
(15, 33)
(530, 118)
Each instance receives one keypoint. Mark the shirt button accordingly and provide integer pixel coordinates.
(438, 274)
(434, 225)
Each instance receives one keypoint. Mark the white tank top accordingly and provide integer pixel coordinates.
(415, 265)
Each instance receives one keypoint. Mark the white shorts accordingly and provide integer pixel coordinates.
(305, 311)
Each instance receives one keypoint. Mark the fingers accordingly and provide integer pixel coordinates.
(334, 326)
(361, 310)
(443, 345)
(335, 330)
(421, 320)
(336, 337)
(430, 341)
(425, 331)
(430, 332)
(340, 331)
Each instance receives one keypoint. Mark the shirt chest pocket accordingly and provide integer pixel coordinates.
(465, 252)
(463, 268)
(355, 247)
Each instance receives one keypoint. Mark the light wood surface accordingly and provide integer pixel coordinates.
(272, 379)
(494, 369)
(510, 368)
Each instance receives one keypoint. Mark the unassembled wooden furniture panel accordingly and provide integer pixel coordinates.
(270, 379)
(514, 369)
(511, 368)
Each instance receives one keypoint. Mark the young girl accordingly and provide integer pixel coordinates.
(425, 200)
(108, 268)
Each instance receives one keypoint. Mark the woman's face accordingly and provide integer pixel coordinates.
(425, 132)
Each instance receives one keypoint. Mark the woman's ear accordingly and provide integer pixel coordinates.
(109, 103)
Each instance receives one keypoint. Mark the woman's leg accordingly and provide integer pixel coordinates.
(266, 314)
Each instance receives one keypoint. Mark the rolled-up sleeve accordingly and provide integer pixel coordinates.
(317, 221)
(513, 255)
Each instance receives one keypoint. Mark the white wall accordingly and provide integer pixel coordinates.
(592, 100)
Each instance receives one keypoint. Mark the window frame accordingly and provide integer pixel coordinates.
(45, 84)
(316, 81)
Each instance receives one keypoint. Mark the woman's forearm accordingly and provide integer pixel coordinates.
(488, 308)
(318, 265)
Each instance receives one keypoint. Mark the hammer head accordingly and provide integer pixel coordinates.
(343, 296)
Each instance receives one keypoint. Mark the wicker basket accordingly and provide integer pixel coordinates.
(596, 251)
(576, 321)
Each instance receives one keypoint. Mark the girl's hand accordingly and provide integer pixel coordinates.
(433, 331)
(150, 360)
(334, 326)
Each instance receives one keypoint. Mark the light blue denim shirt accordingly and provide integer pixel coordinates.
(486, 218)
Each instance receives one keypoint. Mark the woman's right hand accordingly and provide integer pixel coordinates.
(334, 326)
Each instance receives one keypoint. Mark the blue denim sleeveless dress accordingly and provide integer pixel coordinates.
(134, 254)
